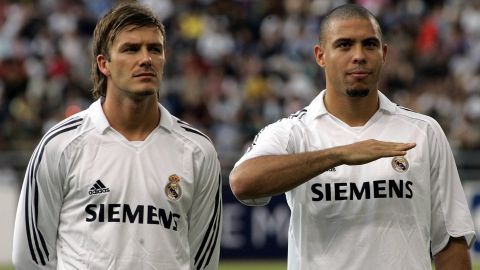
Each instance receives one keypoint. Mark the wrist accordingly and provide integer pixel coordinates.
(336, 155)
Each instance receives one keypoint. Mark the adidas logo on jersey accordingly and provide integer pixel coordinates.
(98, 188)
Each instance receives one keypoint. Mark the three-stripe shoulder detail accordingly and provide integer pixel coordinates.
(187, 127)
(298, 114)
(211, 237)
(36, 241)
(405, 108)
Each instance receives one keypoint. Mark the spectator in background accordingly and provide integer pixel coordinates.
(362, 196)
(122, 184)
(276, 34)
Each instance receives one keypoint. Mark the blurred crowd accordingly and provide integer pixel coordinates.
(235, 66)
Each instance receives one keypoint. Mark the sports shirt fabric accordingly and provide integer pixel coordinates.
(91, 199)
(369, 216)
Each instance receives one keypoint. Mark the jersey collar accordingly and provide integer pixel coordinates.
(386, 104)
(101, 123)
(318, 105)
(166, 119)
(98, 116)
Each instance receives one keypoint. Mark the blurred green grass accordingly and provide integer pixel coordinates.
(268, 265)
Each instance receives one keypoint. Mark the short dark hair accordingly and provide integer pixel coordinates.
(107, 29)
(345, 12)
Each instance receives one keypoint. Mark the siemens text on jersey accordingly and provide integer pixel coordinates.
(340, 191)
(124, 213)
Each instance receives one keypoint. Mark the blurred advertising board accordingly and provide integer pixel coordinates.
(472, 191)
(254, 232)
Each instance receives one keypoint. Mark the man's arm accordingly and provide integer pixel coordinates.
(205, 215)
(275, 174)
(450, 214)
(35, 232)
(454, 256)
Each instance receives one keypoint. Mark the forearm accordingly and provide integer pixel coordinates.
(454, 256)
(270, 175)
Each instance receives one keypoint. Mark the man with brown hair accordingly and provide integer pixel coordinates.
(123, 184)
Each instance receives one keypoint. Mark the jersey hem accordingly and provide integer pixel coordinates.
(468, 235)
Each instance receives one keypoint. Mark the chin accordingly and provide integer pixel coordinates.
(358, 92)
(140, 95)
(146, 90)
(145, 93)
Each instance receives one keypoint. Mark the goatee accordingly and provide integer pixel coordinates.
(358, 92)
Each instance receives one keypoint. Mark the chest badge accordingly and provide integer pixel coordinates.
(400, 164)
(173, 189)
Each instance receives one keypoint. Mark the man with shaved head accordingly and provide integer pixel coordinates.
(370, 184)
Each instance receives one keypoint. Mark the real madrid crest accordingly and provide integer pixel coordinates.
(400, 164)
(173, 189)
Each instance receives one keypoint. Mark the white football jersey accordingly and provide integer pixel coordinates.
(93, 200)
(387, 214)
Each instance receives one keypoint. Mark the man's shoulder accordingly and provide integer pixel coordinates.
(423, 124)
(300, 117)
(67, 131)
(192, 136)
(66, 128)
(295, 123)
(411, 115)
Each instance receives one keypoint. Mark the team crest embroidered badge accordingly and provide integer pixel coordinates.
(400, 164)
(173, 189)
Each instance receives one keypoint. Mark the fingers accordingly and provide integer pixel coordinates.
(403, 146)
(396, 154)
(397, 149)
(392, 145)
(367, 151)
(410, 146)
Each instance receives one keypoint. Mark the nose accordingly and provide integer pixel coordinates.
(359, 55)
(146, 58)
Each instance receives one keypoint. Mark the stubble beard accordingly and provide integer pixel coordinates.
(142, 95)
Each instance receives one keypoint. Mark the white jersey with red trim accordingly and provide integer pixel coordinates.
(93, 200)
(388, 214)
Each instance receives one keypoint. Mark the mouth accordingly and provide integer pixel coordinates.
(358, 74)
(145, 74)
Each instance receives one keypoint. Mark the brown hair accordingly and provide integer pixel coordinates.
(107, 29)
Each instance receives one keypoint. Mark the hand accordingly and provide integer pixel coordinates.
(370, 150)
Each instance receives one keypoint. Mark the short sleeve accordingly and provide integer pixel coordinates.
(274, 139)
(450, 216)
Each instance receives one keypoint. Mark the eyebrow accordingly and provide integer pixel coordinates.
(137, 45)
(372, 39)
(340, 40)
(351, 40)
(152, 44)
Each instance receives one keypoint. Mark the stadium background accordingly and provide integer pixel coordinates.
(233, 67)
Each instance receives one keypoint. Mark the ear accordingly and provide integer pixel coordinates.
(319, 55)
(102, 63)
(385, 49)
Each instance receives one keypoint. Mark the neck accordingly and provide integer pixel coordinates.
(354, 111)
(134, 119)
